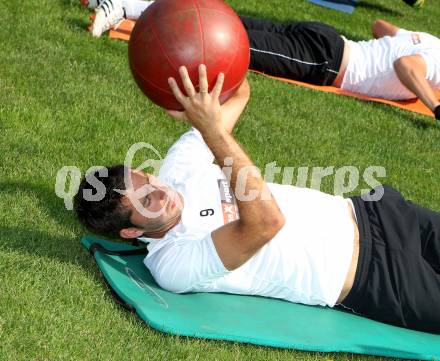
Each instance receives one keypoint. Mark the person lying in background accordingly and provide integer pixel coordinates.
(398, 64)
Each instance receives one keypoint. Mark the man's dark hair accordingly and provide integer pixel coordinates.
(106, 216)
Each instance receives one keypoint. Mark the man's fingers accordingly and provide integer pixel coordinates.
(176, 91)
(203, 79)
(216, 91)
(187, 83)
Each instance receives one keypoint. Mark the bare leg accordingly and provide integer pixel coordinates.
(411, 71)
(381, 28)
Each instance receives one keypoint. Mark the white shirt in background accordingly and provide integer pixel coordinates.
(370, 69)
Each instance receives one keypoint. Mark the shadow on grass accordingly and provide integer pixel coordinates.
(420, 121)
(61, 248)
(47, 200)
(77, 24)
(58, 248)
(414, 119)
(379, 8)
(45, 244)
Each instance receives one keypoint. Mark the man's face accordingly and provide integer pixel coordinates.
(153, 204)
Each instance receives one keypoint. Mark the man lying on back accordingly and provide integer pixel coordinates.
(397, 65)
(221, 228)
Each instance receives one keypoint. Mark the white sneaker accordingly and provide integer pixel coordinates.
(91, 4)
(108, 13)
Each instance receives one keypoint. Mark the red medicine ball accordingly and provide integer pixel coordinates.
(171, 33)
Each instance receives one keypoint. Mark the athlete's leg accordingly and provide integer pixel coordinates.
(429, 223)
(107, 14)
(310, 52)
(381, 28)
(110, 12)
(420, 295)
(261, 24)
(394, 282)
(273, 54)
(412, 255)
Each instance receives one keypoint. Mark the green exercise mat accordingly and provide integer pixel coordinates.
(255, 320)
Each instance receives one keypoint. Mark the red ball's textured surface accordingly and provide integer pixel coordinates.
(171, 33)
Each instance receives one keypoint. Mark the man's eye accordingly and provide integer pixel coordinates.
(147, 201)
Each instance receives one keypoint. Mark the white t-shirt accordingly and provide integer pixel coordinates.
(306, 262)
(370, 69)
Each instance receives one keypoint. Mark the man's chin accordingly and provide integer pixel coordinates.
(175, 202)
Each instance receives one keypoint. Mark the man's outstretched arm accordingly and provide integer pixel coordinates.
(232, 109)
(411, 71)
(260, 218)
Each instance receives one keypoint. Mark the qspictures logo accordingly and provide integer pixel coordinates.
(344, 180)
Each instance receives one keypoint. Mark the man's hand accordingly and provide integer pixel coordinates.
(202, 109)
(230, 111)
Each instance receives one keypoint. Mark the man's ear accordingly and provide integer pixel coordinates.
(131, 232)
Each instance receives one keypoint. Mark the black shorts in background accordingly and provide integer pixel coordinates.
(310, 52)
(398, 275)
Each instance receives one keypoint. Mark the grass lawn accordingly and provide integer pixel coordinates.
(67, 99)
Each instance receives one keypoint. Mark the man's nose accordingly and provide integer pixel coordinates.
(161, 195)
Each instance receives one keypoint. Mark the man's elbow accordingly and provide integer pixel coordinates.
(272, 225)
(264, 228)
(402, 64)
(377, 28)
(278, 222)
(244, 91)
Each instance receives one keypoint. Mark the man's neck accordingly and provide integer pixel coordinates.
(160, 233)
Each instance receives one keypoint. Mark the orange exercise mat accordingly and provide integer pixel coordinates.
(123, 30)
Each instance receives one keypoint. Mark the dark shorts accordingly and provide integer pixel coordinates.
(306, 51)
(398, 276)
